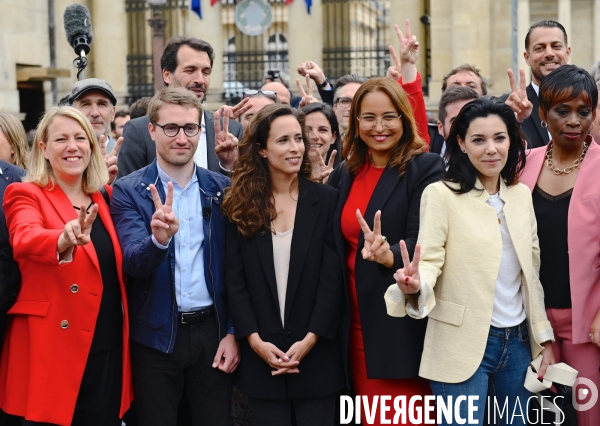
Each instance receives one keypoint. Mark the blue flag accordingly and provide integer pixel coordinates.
(196, 7)
(308, 5)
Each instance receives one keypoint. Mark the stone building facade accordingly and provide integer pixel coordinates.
(343, 36)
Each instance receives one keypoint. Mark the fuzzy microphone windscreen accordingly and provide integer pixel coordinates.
(78, 23)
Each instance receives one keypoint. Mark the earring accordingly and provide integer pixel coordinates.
(544, 125)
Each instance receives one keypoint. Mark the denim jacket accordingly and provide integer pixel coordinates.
(151, 270)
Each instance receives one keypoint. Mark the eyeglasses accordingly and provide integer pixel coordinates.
(389, 121)
(266, 93)
(344, 102)
(172, 129)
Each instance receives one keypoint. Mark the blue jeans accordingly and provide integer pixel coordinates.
(500, 376)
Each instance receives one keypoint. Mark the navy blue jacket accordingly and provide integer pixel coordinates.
(10, 277)
(151, 270)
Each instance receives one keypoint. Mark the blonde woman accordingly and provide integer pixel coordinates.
(13, 140)
(65, 360)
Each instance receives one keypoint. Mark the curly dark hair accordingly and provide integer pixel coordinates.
(355, 150)
(460, 169)
(249, 201)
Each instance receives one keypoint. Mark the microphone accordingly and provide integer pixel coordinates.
(206, 211)
(78, 27)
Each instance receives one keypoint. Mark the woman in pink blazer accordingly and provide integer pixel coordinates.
(65, 359)
(565, 183)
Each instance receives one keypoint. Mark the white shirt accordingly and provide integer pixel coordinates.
(201, 154)
(508, 299)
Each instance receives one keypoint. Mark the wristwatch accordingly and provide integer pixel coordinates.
(323, 85)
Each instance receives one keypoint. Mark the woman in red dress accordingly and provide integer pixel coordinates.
(383, 177)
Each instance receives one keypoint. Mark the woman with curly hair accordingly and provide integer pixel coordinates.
(284, 279)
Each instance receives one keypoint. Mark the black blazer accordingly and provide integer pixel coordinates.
(532, 126)
(313, 300)
(393, 346)
(10, 277)
(138, 149)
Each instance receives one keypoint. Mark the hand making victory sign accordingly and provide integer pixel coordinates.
(376, 247)
(225, 142)
(77, 231)
(404, 65)
(408, 278)
(110, 159)
(164, 223)
(307, 96)
(517, 100)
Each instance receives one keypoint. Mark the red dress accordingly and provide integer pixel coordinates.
(360, 193)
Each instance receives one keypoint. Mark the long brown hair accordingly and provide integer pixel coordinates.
(249, 201)
(409, 145)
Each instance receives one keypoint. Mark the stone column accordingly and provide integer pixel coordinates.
(596, 30)
(109, 49)
(564, 15)
(523, 25)
(400, 10)
(304, 46)
(441, 47)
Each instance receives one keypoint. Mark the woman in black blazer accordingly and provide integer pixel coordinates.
(383, 177)
(284, 279)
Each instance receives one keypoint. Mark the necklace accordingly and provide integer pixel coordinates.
(87, 210)
(566, 170)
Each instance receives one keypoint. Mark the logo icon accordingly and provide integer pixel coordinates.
(584, 388)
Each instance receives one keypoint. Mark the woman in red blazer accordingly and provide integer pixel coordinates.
(65, 358)
(563, 177)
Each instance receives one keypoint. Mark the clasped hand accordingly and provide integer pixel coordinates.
(164, 223)
(282, 362)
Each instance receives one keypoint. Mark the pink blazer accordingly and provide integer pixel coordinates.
(584, 235)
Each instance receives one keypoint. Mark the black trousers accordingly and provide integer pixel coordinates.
(99, 399)
(307, 411)
(159, 379)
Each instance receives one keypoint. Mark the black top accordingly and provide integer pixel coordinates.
(551, 213)
(109, 325)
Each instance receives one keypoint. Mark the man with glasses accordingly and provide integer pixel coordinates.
(173, 236)
(343, 92)
(186, 62)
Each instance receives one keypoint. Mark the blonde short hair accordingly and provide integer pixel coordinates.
(15, 133)
(40, 170)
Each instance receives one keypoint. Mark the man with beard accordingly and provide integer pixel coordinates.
(186, 62)
(546, 48)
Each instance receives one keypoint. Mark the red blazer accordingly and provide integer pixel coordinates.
(53, 320)
(584, 236)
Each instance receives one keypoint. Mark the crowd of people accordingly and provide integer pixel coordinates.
(152, 261)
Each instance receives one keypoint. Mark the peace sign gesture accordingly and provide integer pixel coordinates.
(517, 99)
(77, 231)
(409, 53)
(164, 223)
(319, 169)
(408, 278)
(225, 143)
(376, 248)
(307, 97)
(110, 159)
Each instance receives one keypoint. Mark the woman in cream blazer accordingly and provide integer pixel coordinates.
(476, 274)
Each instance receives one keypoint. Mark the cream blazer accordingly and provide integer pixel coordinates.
(461, 249)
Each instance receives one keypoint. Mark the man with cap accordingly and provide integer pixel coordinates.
(185, 62)
(96, 99)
